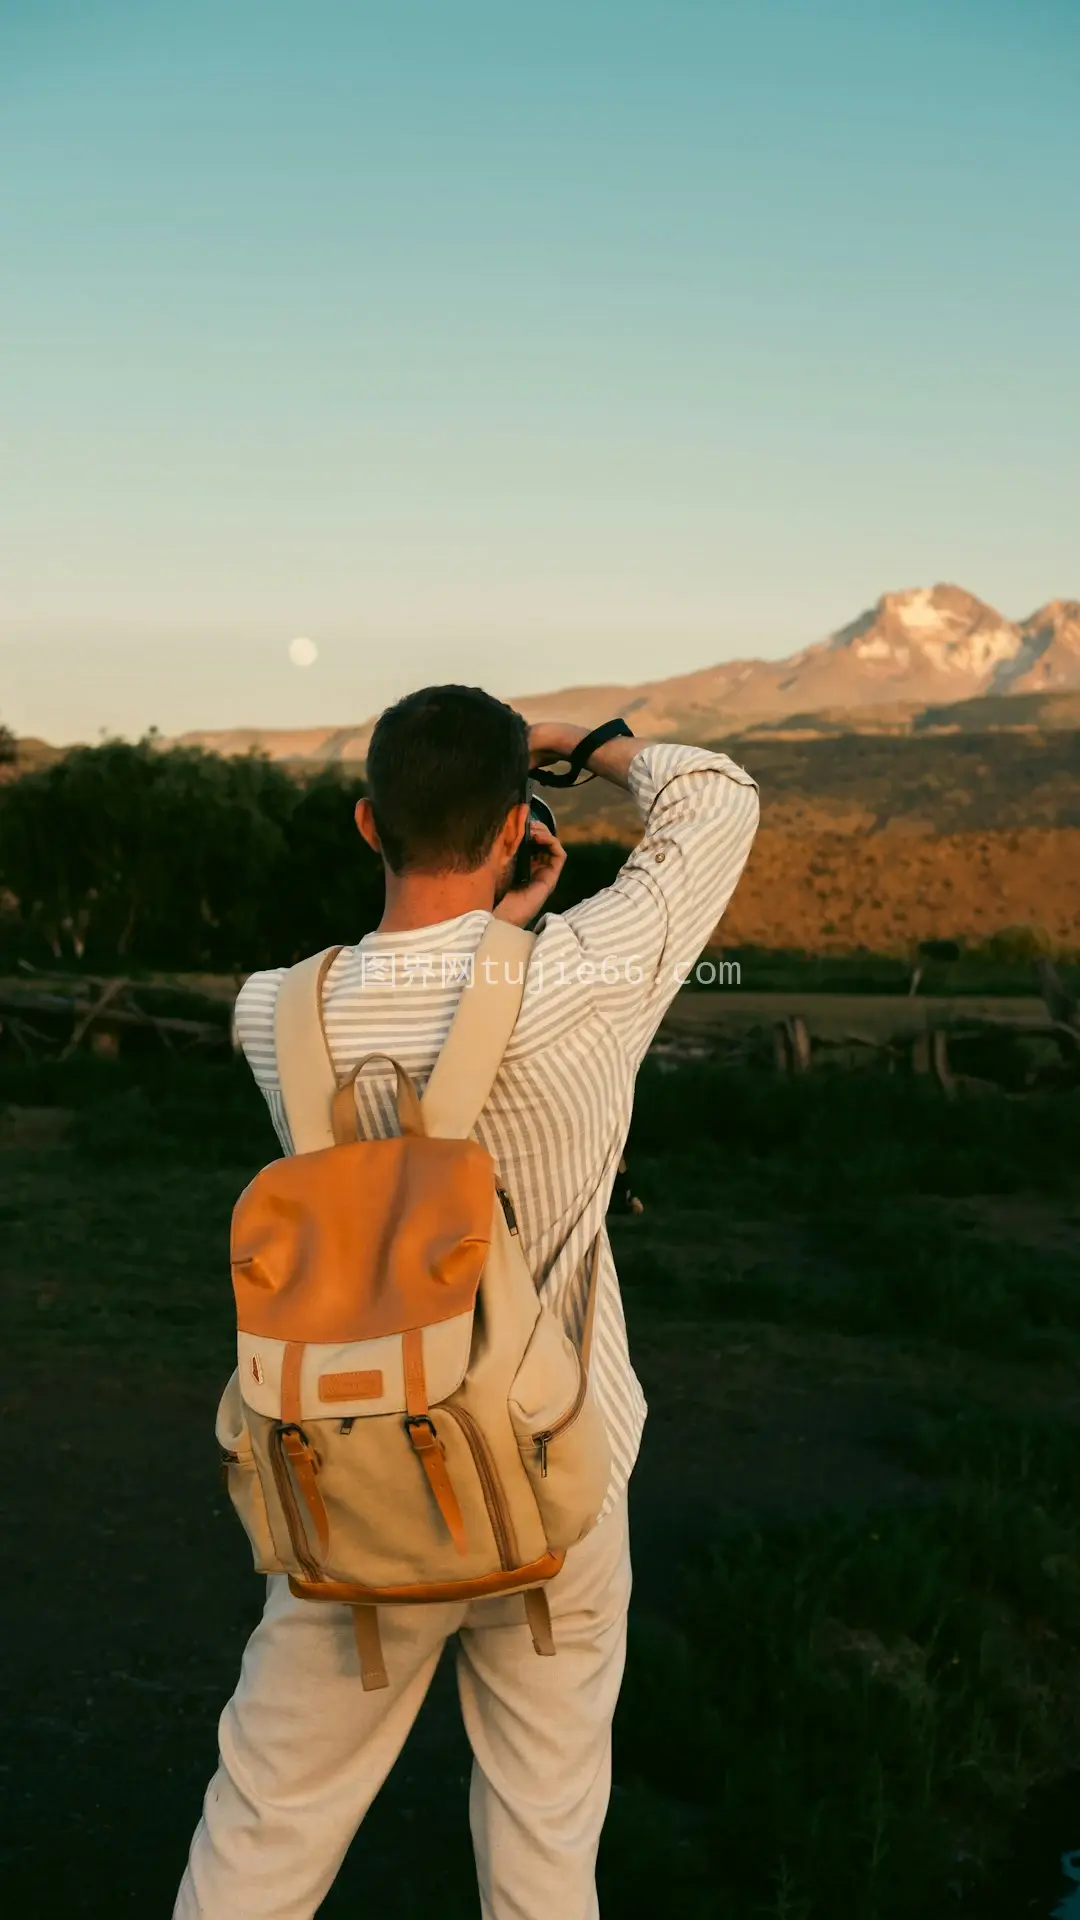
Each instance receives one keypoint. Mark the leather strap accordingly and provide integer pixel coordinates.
(296, 1447)
(301, 1459)
(538, 1615)
(291, 1362)
(426, 1444)
(599, 737)
(373, 1673)
(412, 1359)
(344, 1119)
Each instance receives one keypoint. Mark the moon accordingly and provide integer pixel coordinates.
(303, 652)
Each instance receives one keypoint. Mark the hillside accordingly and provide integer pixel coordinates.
(28, 754)
(858, 784)
(915, 654)
(836, 893)
(919, 773)
(878, 842)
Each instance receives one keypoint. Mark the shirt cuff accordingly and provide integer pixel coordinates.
(656, 766)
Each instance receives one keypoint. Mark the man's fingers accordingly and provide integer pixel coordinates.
(546, 844)
(522, 904)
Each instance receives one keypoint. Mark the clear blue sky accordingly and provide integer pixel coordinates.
(528, 344)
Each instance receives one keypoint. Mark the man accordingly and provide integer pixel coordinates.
(304, 1749)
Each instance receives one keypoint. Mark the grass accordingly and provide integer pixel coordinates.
(854, 1184)
(838, 1714)
(842, 1717)
(832, 1717)
(207, 1113)
(910, 1273)
(124, 1234)
(828, 1136)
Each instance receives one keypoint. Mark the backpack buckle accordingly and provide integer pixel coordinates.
(294, 1442)
(414, 1420)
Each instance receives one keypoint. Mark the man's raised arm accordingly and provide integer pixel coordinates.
(643, 934)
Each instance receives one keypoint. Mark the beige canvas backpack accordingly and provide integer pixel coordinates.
(406, 1422)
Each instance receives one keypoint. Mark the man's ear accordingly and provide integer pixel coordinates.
(516, 822)
(365, 821)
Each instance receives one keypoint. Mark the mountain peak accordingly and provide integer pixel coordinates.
(930, 608)
(1048, 659)
(928, 633)
(1056, 614)
(917, 647)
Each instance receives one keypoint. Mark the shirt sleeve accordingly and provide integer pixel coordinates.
(639, 938)
(253, 1022)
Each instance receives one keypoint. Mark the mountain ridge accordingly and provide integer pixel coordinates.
(915, 651)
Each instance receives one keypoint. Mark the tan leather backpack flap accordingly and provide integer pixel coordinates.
(361, 1241)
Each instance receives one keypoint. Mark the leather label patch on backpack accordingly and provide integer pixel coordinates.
(351, 1386)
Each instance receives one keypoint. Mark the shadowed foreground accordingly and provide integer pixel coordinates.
(857, 1525)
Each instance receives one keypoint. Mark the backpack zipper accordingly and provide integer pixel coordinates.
(498, 1513)
(507, 1206)
(293, 1519)
(559, 1427)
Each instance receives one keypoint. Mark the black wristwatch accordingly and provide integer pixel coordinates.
(599, 737)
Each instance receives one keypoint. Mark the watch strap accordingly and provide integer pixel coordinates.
(599, 737)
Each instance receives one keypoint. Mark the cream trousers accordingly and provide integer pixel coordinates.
(304, 1750)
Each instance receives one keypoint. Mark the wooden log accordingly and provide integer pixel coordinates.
(1064, 1011)
(111, 990)
(800, 1043)
(1057, 999)
(204, 1032)
(792, 1052)
(939, 1060)
(20, 1035)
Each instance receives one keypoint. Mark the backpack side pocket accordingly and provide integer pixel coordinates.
(561, 1435)
(241, 1477)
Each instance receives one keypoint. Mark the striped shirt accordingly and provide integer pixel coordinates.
(599, 980)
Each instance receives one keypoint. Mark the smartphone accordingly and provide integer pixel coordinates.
(538, 810)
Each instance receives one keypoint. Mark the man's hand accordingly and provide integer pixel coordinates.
(548, 860)
(551, 740)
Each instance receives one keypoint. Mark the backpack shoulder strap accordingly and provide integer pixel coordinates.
(305, 1071)
(464, 1073)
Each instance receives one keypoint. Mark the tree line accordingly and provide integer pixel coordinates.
(140, 855)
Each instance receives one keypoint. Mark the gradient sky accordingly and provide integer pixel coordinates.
(524, 344)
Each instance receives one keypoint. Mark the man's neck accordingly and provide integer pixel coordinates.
(415, 900)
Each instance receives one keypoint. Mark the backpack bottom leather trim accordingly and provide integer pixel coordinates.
(485, 1587)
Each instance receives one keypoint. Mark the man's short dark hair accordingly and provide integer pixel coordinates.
(444, 768)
